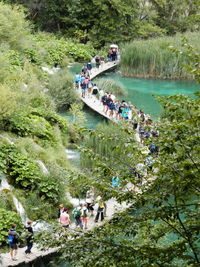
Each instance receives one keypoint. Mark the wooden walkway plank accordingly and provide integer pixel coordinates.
(92, 101)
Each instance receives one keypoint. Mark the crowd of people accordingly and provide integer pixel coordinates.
(83, 211)
(117, 110)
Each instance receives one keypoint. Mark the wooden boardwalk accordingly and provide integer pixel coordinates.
(92, 101)
(5, 260)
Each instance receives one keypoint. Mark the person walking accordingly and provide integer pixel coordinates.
(60, 210)
(89, 67)
(97, 60)
(95, 91)
(29, 239)
(13, 242)
(90, 201)
(77, 80)
(77, 216)
(100, 209)
(65, 219)
(90, 88)
(83, 88)
(84, 215)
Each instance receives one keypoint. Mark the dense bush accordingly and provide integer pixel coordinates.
(61, 89)
(22, 171)
(8, 102)
(50, 189)
(55, 50)
(25, 124)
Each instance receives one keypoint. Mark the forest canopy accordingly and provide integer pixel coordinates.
(105, 21)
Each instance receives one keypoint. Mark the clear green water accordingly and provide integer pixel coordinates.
(143, 92)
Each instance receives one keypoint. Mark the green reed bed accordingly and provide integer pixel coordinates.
(111, 86)
(153, 59)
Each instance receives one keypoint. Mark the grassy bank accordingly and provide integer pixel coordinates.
(153, 58)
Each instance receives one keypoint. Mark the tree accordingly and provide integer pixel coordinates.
(105, 21)
(14, 29)
(176, 16)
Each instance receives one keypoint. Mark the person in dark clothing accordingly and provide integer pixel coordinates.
(89, 67)
(97, 60)
(108, 101)
(83, 89)
(104, 101)
(13, 242)
(95, 90)
(29, 239)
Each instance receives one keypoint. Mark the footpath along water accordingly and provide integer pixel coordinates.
(143, 92)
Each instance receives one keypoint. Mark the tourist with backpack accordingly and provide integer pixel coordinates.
(77, 216)
(13, 242)
(84, 215)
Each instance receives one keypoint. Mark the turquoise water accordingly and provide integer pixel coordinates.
(92, 117)
(143, 92)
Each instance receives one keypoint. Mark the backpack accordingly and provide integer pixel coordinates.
(84, 215)
(10, 239)
(77, 213)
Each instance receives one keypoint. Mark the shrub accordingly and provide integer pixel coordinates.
(22, 171)
(25, 124)
(54, 50)
(49, 189)
(61, 89)
(8, 102)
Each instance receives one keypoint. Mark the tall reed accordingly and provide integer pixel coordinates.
(153, 59)
(111, 86)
